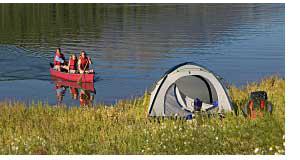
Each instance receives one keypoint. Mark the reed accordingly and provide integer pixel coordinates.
(125, 128)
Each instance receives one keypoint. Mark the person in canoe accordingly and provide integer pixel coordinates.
(72, 66)
(84, 62)
(59, 61)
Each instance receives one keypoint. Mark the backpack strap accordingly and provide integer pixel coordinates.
(252, 111)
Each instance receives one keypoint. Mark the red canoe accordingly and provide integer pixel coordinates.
(86, 78)
(85, 86)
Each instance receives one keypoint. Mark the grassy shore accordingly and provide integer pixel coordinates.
(126, 129)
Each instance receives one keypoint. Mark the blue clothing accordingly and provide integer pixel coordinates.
(59, 59)
(60, 91)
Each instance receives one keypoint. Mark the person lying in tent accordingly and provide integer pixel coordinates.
(59, 61)
(84, 62)
(72, 67)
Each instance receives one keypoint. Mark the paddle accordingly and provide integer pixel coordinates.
(80, 78)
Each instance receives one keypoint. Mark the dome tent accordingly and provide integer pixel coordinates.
(175, 93)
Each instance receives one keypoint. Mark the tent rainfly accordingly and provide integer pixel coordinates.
(176, 92)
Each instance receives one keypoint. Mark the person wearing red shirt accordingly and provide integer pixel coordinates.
(59, 60)
(84, 62)
(73, 64)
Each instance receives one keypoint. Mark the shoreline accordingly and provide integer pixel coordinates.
(124, 128)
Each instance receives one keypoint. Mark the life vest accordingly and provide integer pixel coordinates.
(73, 64)
(83, 62)
(60, 56)
(74, 90)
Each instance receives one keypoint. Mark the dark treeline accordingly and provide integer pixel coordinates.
(19, 19)
(44, 24)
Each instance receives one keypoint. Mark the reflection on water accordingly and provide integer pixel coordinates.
(60, 93)
(133, 45)
(82, 92)
(86, 98)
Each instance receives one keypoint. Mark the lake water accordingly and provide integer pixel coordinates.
(133, 45)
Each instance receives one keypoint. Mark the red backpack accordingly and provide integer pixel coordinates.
(257, 105)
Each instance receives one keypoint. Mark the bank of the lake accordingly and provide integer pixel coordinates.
(126, 129)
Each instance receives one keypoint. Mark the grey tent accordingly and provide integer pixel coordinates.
(175, 93)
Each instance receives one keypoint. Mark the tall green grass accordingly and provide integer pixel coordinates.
(126, 129)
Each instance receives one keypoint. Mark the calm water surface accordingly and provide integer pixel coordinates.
(133, 45)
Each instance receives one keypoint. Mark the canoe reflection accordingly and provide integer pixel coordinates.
(84, 92)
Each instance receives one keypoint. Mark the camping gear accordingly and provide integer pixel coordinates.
(73, 84)
(176, 93)
(85, 78)
(197, 104)
(257, 105)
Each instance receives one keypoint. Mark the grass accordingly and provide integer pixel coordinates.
(126, 129)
